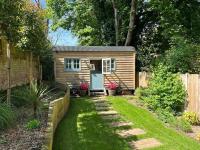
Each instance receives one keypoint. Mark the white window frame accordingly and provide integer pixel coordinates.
(72, 64)
(106, 60)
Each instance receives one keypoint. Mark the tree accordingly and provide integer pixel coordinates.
(131, 22)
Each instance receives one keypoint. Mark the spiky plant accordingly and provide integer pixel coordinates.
(37, 94)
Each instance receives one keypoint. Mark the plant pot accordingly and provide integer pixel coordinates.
(83, 92)
(112, 92)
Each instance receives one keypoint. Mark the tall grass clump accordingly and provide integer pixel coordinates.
(7, 116)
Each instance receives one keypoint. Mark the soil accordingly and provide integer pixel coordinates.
(20, 138)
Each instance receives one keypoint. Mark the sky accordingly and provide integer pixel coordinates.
(61, 37)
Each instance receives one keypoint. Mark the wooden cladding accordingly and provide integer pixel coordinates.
(124, 74)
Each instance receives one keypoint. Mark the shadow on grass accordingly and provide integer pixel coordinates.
(83, 129)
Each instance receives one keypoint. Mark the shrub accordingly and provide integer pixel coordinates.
(7, 116)
(165, 115)
(191, 117)
(165, 91)
(19, 97)
(112, 86)
(84, 86)
(181, 124)
(140, 92)
(33, 124)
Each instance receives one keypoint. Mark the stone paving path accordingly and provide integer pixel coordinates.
(107, 113)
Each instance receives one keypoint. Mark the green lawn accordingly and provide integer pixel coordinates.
(143, 119)
(83, 129)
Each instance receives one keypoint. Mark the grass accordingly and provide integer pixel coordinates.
(83, 129)
(171, 139)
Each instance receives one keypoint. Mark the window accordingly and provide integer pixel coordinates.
(72, 64)
(113, 64)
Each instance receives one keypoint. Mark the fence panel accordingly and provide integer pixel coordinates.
(20, 67)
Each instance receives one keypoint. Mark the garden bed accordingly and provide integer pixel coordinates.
(19, 136)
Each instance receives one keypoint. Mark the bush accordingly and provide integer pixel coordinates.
(19, 96)
(191, 117)
(165, 115)
(140, 92)
(33, 124)
(7, 116)
(181, 124)
(165, 91)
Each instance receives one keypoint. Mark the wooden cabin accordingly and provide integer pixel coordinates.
(96, 65)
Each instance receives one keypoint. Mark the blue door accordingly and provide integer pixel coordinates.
(97, 80)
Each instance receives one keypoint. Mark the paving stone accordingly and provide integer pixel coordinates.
(120, 124)
(107, 112)
(102, 105)
(100, 101)
(130, 132)
(145, 143)
(103, 108)
(110, 117)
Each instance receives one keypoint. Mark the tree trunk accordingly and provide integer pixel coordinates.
(8, 74)
(116, 22)
(131, 23)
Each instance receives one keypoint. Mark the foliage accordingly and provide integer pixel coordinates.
(93, 23)
(140, 92)
(112, 86)
(84, 86)
(180, 124)
(19, 96)
(183, 56)
(37, 94)
(191, 117)
(33, 124)
(7, 116)
(22, 23)
(165, 91)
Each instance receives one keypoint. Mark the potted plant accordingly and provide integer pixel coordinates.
(83, 89)
(112, 88)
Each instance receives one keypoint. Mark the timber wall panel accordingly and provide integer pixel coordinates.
(124, 74)
(20, 68)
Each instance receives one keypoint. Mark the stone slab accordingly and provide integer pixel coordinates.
(110, 117)
(107, 113)
(145, 143)
(120, 124)
(130, 132)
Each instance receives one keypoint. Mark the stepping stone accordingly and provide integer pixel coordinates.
(120, 124)
(145, 143)
(110, 117)
(100, 101)
(103, 108)
(102, 105)
(107, 113)
(131, 132)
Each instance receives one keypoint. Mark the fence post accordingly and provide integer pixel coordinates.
(8, 74)
(31, 68)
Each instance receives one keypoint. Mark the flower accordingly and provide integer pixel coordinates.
(84, 86)
(112, 86)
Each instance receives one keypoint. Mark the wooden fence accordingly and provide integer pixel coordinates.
(21, 68)
(192, 86)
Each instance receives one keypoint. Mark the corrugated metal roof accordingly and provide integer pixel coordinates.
(92, 48)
